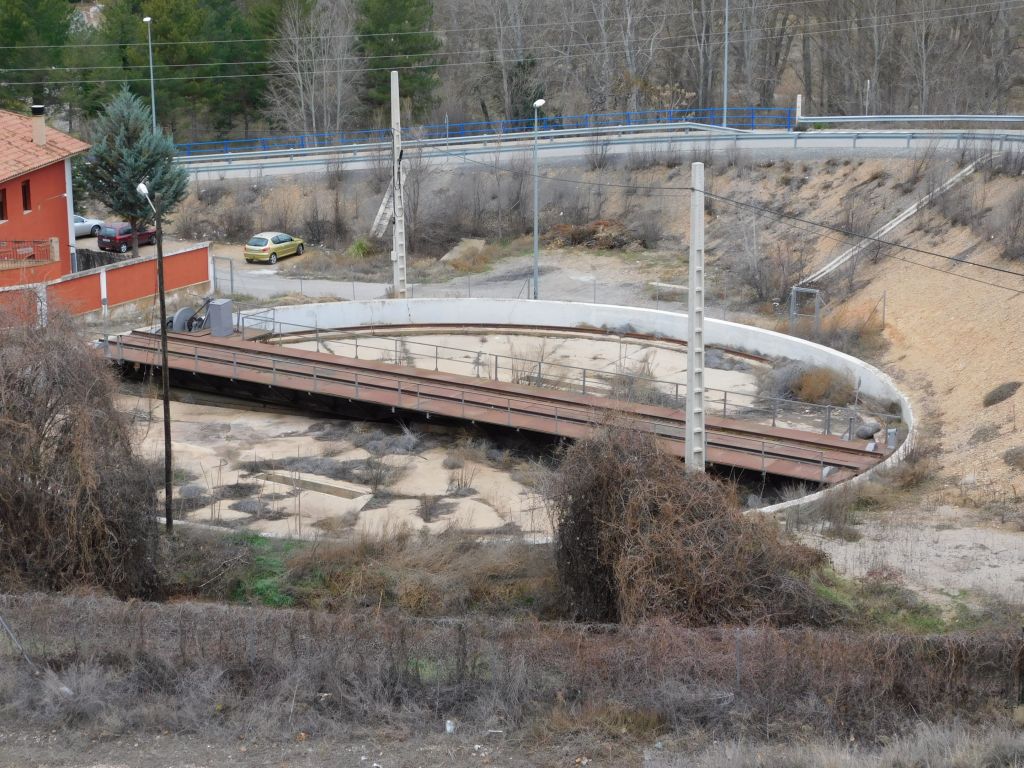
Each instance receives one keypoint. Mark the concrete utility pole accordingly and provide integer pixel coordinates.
(536, 201)
(725, 76)
(696, 436)
(398, 234)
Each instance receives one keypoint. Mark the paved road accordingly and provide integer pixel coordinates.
(264, 281)
(251, 165)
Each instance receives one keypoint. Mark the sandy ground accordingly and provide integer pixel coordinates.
(945, 553)
(563, 361)
(216, 446)
(952, 340)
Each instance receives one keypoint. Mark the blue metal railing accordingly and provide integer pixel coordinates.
(743, 118)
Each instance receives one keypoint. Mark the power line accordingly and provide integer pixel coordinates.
(848, 237)
(868, 238)
(618, 48)
(351, 35)
(849, 242)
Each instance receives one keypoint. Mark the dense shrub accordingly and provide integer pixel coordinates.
(639, 538)
(76, 503)
(1003, 392)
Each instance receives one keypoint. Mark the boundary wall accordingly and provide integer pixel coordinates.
(870, 381)
(102, 288)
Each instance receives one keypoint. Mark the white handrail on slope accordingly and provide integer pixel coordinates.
(888, 227)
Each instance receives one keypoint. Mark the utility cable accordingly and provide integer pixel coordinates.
(834, 25)
(848, 237)
(621, 48)
(454, 31)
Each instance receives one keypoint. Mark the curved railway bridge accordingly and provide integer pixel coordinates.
(324, 381)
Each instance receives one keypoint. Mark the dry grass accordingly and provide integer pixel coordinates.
(855, 329)
(452, 571)
(928, 745)
(474, 260)
(918, 467)
(199, 668)
(1015, 457)
(807, 384)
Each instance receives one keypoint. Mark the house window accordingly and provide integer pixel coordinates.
(26, 196)
(3, 204)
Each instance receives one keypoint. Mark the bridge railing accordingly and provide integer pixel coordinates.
(740, 118)
(617, 383)
(443, 398)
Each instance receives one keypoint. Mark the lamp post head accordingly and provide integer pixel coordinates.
(539, 103)
(142, 189)
(147, 19)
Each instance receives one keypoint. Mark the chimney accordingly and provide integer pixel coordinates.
(39, 124)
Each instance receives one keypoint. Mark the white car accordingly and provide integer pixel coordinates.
(87, 227)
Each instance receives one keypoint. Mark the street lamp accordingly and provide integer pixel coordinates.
(536, 197)
(165, 377)
(152, 82)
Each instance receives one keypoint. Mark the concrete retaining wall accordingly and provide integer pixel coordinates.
(383, 312)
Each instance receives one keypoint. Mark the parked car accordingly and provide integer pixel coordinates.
(85, 227)
(271, 246)
(117, 236)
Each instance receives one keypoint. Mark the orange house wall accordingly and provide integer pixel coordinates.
(77, 296)
(40, 273)
(132, 282)
(49, 215)
(187, 268)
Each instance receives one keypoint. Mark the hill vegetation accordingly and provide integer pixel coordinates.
(234, 67)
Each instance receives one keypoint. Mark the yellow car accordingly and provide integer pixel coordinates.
(271, 246)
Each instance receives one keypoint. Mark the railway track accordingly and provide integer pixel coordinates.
(790, 453)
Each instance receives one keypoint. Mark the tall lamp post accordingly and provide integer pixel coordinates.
(165, 378)
(152, 82)
(536, 198)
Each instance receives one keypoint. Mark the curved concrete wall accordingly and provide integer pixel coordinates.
(745, 338)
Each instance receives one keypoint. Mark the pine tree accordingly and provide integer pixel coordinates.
(127, 151)
(395, 34)
(33, 33)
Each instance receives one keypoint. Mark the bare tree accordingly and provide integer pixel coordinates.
(764, 39)
(855, 55)
(313, 88)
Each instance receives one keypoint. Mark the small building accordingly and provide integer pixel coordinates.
(36, 205)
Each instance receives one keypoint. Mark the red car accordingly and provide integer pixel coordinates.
(117, 236)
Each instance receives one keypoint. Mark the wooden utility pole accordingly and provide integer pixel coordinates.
(165, 373)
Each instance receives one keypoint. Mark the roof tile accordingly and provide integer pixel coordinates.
(20, 155)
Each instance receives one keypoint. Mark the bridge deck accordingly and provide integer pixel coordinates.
(795, 454)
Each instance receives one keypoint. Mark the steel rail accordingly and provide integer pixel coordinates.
(304, 357)
(573, 378)
(286, 354)
(474, 401)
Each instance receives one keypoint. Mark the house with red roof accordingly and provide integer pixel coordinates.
(36, 205)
